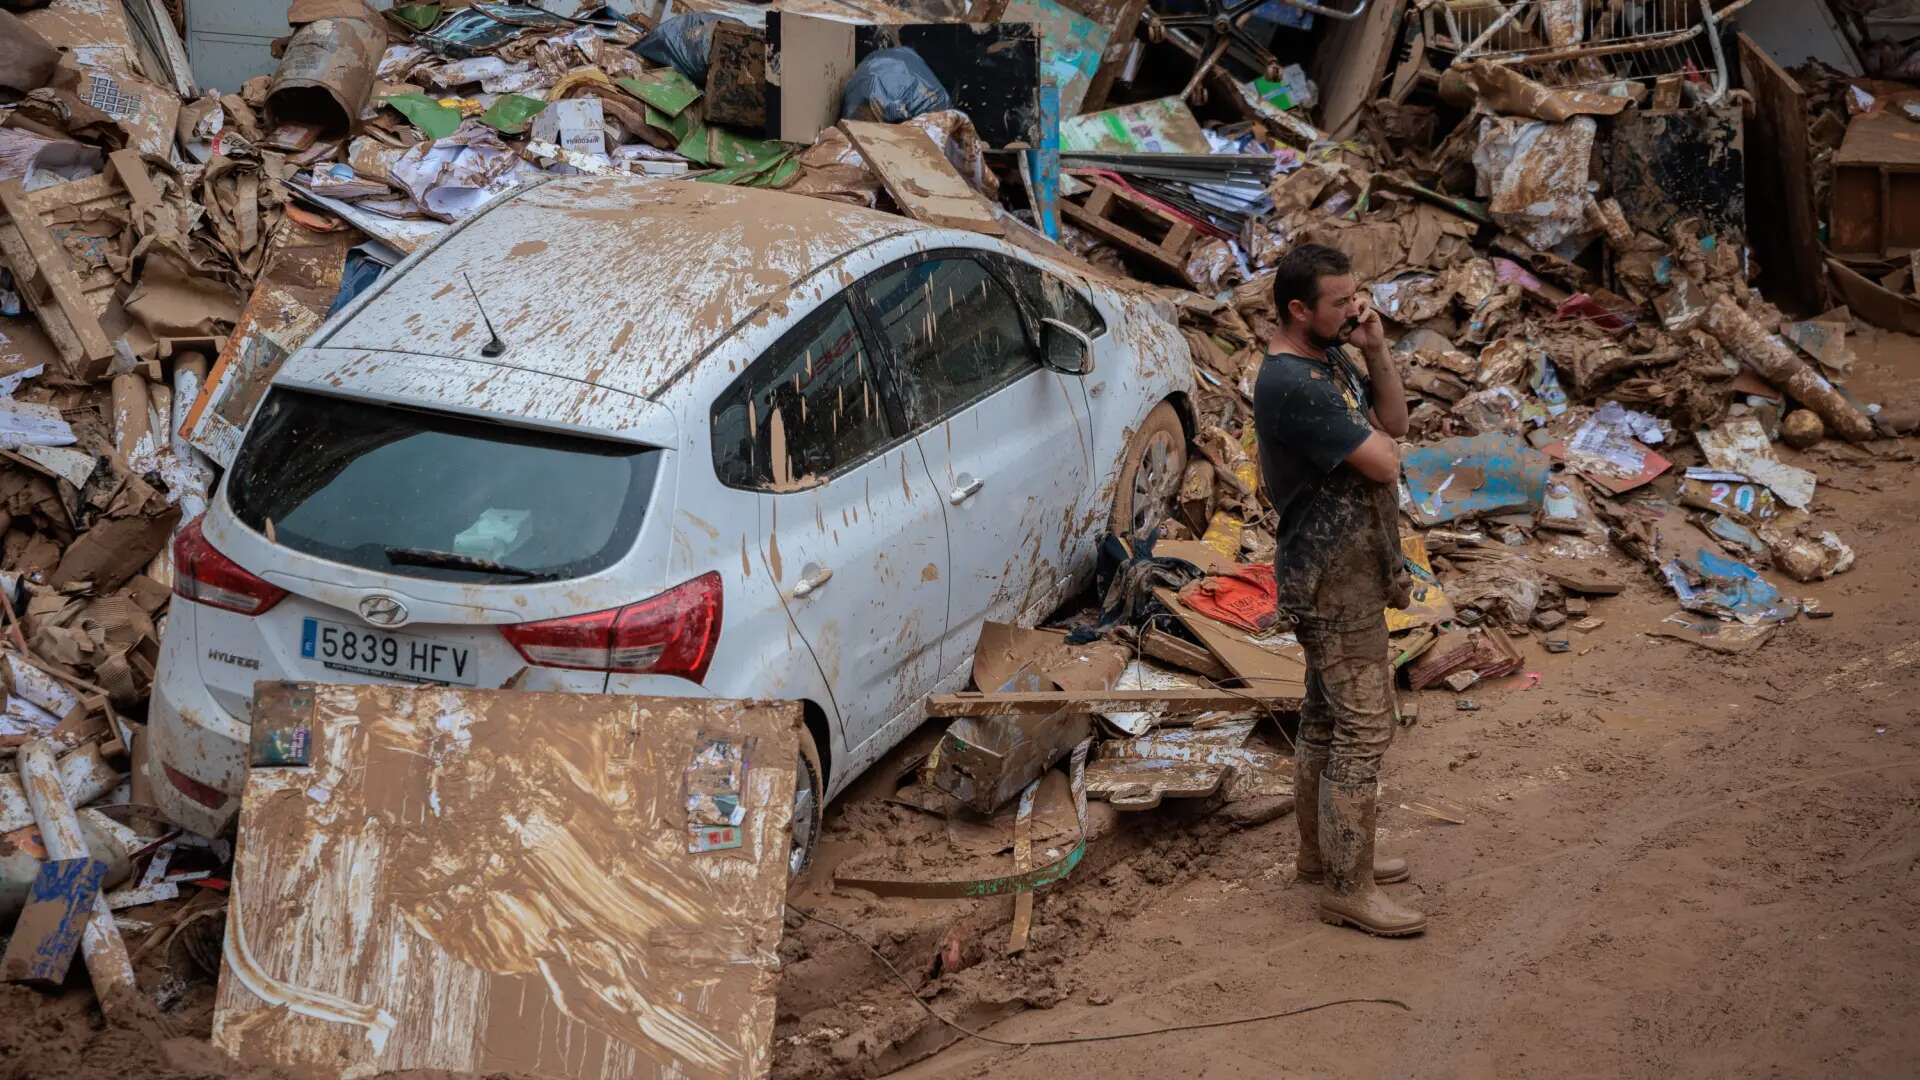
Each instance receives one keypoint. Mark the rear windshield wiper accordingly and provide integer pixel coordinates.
(453, 560)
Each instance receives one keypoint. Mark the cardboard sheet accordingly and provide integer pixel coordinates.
(920, 179)
(487, 882)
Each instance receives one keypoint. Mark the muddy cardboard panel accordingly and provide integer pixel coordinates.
(303, 275)
(487, 881)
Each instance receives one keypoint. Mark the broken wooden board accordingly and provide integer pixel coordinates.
(64, 895)
(1875, 303)
(488, 881)
(1164, 647)
(1122, 19)
(1276, 670)
(1084, 702)
(922, 182)
(56, 241)
(302, 275)
(1350, 63)
(1143, 783)
(1779, 174)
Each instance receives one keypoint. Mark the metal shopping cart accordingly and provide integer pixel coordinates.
(1588, 43)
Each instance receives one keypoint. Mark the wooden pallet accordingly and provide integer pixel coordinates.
(1135, 225)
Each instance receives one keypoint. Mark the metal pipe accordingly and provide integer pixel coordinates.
(1331, 13)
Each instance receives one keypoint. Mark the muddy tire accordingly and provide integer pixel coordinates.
(1150, 473)
(809, 803)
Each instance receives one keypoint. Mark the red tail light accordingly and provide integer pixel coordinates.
(210, 797)
(671, 634)
(205, 576)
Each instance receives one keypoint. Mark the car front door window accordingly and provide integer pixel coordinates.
(955, 333)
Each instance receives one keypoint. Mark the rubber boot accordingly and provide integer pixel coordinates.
(1347, 815)
(1308, 866)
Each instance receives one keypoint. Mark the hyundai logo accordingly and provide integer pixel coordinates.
(383, 611)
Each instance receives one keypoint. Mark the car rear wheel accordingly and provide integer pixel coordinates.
(809, 797)
(1150, 473)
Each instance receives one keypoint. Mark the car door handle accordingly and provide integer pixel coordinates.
(969, 487)
(811, 578)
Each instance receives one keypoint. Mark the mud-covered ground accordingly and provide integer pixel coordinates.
(1669, 862)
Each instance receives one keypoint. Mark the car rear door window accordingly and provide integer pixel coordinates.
(809, 408)
(955, 333)
(429, 495)
(1049, 297)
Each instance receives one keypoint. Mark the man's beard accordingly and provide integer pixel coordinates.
(1322, 341)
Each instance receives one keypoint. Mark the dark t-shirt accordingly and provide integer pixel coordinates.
(1338, 532)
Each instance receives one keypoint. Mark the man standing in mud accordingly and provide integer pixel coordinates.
(1331, 466)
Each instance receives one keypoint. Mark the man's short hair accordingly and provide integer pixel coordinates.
(1298, 273)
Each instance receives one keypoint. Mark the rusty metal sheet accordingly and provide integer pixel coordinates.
(483, 881)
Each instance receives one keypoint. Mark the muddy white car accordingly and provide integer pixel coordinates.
(672, 438)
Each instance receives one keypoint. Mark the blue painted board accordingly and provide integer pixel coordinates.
(48, 934)
(1469, 476)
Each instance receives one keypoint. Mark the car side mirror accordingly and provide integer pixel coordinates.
(1065, 348)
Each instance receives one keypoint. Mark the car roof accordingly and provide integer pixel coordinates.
(617, 282)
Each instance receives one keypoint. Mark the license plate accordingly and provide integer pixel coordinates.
(384, 655)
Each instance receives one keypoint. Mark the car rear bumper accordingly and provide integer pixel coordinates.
(198, 766)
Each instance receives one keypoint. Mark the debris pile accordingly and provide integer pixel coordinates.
(1549, 203)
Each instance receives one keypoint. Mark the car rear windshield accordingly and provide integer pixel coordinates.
(427, 495)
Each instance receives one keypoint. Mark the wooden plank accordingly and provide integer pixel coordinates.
(558, 885)
(1350, 62)
(1281, 673)
(1022, 862)
(1125, 25)
(63, 897)
(1071, 702)
(51, 266)
(920, 179)
(1168, 649)
(1779, 163)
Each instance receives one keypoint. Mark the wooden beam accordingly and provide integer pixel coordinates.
(1168, 649)
(1047, 703)
(1779, 160)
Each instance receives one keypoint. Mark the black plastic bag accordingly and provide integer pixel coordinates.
(893, 86)
(683, 41)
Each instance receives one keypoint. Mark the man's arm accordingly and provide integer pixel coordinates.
(1377, 459)
(1389, 396)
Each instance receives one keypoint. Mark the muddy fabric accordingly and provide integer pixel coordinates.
(1309, 415)
(1244, 598)
(1346, 718)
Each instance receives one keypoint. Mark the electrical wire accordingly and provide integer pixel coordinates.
(1022, 1044)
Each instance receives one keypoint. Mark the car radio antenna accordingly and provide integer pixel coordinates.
(494, 346)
